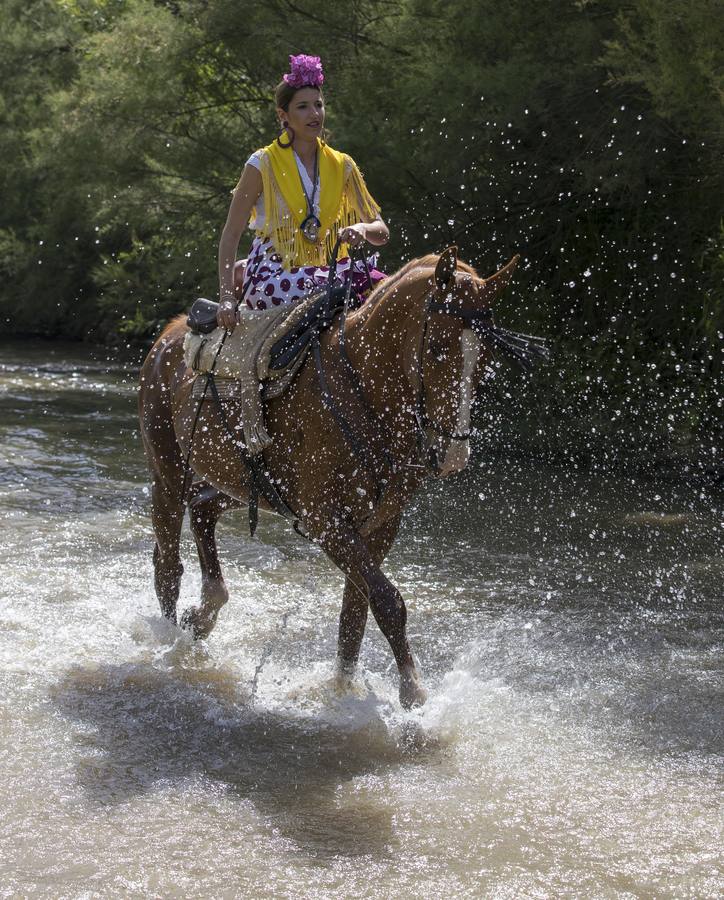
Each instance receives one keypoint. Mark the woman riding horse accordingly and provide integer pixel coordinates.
(402, 370)
(382, 403)
(300, 196)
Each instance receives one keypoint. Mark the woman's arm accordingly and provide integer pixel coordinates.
(371, 229)
(246, 193)
(376, 233)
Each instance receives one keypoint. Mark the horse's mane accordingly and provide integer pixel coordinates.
(178, 326)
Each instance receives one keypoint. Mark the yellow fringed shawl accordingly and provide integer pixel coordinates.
(343, 200)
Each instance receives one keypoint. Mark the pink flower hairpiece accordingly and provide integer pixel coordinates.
(306, 71)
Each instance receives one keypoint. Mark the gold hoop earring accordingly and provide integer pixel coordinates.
(290, 132)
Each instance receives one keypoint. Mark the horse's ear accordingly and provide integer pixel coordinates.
(495, 285)
(446, 266)
(503, 277)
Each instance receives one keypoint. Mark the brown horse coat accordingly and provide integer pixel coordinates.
(407, 359)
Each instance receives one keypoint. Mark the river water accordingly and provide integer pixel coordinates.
(569, 627)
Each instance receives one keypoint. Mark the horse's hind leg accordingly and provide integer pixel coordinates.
(167, 473)
(206, 505)
(167, 516)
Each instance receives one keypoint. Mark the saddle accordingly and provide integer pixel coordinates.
(317, 317)
(260, 358)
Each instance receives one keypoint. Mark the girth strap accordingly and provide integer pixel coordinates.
(259, 480)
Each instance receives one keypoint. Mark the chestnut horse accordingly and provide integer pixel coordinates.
(418, 347)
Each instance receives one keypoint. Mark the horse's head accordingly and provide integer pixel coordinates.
(450, 356)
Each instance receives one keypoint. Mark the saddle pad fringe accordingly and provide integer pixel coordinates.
(229, 389)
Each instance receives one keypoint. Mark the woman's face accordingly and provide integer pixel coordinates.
(306, 113)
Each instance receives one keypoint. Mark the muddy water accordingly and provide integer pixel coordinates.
(569, 628)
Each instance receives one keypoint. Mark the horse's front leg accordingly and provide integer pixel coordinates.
(349, 551)
(352, 623)
(355, 602)
(206, 506)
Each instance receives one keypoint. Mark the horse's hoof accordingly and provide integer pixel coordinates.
(412, 693)
(342, 683)
(187, 622)
(343, 678)
(192, 622)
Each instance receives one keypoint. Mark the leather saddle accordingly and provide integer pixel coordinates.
(202, 320)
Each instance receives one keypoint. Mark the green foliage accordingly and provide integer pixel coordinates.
(584, 134)
(139, 288)
(676, 55)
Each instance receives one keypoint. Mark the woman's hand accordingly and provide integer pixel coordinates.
(354, 235)
(375, 233)
(226, 315)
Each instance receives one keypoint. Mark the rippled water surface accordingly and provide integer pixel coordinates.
(569, 628)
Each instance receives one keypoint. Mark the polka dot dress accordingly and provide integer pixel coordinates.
(267, 283)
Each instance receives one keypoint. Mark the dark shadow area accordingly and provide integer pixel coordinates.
(147, 728)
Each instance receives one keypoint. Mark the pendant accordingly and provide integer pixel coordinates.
(310, 228)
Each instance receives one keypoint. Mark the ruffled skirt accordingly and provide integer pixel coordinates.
(267, 283)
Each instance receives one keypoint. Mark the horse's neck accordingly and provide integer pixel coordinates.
(381, 337)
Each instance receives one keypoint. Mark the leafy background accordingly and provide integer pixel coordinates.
(588, 135)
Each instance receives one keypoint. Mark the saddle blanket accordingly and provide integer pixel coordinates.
(241, 364)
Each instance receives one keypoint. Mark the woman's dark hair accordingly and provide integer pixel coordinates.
(284, 93)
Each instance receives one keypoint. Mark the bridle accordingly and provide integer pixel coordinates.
(522, 349)
(426, 449)
(481, 322)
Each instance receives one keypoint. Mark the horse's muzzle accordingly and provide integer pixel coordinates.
(446, 457)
